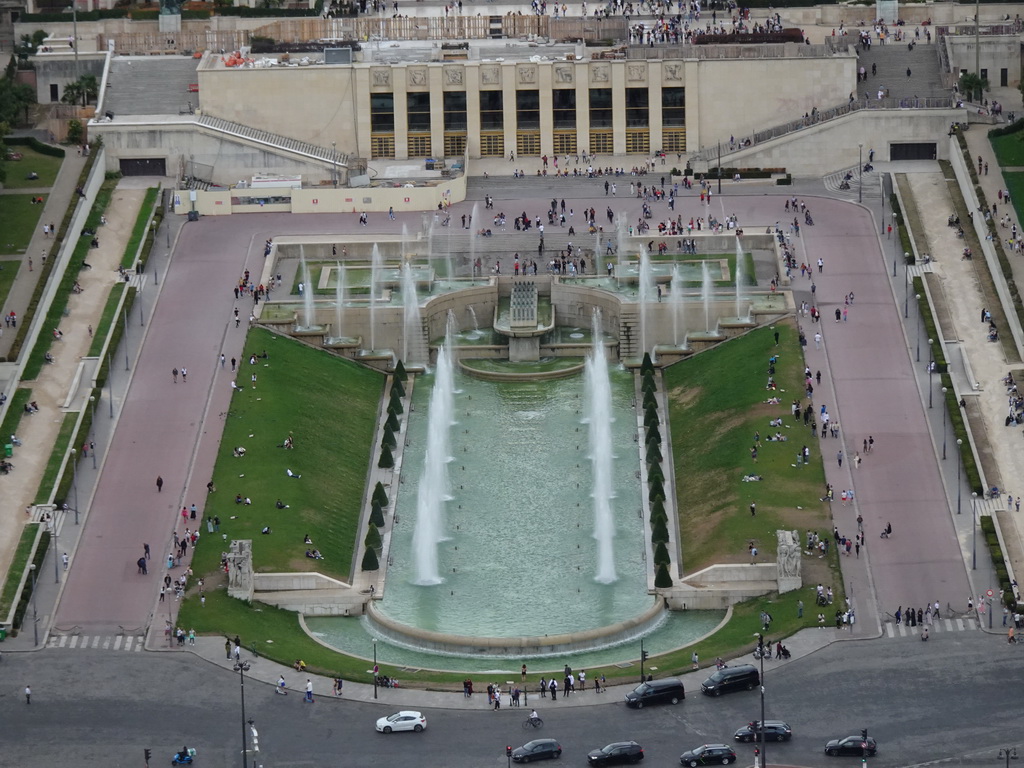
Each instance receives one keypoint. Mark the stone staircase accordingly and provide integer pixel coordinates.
(273, 141)
(158, 85)
(892, 62)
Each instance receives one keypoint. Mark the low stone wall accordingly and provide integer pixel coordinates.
(280, 582)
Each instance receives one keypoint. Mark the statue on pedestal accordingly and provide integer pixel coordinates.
(170, 7)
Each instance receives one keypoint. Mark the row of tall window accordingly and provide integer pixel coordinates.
(527, 120)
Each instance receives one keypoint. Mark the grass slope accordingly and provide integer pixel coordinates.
(18, 220)
(45, 165)
(330, 406)
(1009, 149)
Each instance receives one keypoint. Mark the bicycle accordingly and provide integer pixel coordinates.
(534, 722)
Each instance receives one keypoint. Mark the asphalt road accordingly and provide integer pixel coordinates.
(923, 702)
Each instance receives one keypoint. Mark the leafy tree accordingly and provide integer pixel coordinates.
(662, 580)
(75, 132)
(972, 85)
(370, 561)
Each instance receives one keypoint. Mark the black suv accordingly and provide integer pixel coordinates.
(774, 730)
(617, 753)
(709, 754)
(728, 679)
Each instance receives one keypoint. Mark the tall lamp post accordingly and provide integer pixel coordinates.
(35, 613)
(917, 297)
(944, 391)
(959, 464)
(1007, 754)
(931, 370)
(860, 172)
(906, 285)
(74, 480)
(241, 668)
(974, 525)
(92, 426)
(375, 669)
(764, 755)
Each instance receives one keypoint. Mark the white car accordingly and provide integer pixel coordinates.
(402, 721)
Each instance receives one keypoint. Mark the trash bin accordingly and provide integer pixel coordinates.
(193, 215)
(9, 450)
(3, 634)
(430, 164)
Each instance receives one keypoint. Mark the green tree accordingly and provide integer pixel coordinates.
(388, 438)
(661, 554)
(379, 494)
(659, 531)
(654, 435)
(400, 373)
(373, 540)
(75, 132)
(376, 514)
(397, 386)
(662, 580)
(386, 461)
(370, 561)
(656, 472)
(653, 453)
(972, 85)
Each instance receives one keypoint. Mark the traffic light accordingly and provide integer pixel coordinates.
(644, 655)
(148, 753)
(757, 751)
(508, 751)
(864, 733)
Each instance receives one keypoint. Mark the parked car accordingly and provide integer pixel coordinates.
(708, 754)
(745, 677)
(402, 721)
(538, 749)
(617, 753)
(774, 730)
(852, 745)
(670, 691)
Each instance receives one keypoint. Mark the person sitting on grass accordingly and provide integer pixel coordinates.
(266, 530)
(307, 540)
(281, 505)
(300, 665)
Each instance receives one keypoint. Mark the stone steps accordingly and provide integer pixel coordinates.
(150, 86)
(892, 61)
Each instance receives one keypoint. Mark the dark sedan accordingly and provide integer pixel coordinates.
(774, 730)
(709, 754)
(852, 745)
(617, 753)
(538, 749)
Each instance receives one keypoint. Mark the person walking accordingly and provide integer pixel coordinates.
(159, 483)
(839, 459)
(174, 373)
(28, 694)
(309, 691)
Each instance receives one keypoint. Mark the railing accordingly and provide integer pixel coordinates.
(707, 154)
(730, 51)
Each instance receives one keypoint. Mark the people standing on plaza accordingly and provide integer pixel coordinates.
(28, 695)
(309, 691)
(174, 373)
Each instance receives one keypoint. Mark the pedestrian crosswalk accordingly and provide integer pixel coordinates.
(941, 625)
(97, 642)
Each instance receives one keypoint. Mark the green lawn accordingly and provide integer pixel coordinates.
(131, 250)
(1009, 149)
(15, 411)
(717, 406)
(52, 472)
(21, 553)
(102, 328)
(330, 406)
(1015, 185)
(18, 220)
(8, 272)
(46, 166)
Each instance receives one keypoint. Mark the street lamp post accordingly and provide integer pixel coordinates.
(334, 163)
(241, 668)
(110, 384)
(1007, 754)
(917, 296)
(375, 667)
(931, 370)
(126, 339)
(74, 480)
(764, 754)
(35, 613)
(92, 443)
(56, 549)
(860, 172)
(974, 525)
(944, 390)
(906, 286)
(959, 464)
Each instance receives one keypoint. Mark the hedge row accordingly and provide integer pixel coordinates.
(901, 228)
(950, 403)
(51, 259)
(26, 593)
(150, 241)
(988, 528)
(33, 143)
(60, 16)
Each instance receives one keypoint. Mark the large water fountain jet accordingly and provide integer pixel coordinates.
(646, 288)
(307, 292)
(434, 487)
(599, 416)
(374, 275)
(741, 279)
(339, 299)
(678, 308)
(473, 222)
(412, 322)
(706, 289)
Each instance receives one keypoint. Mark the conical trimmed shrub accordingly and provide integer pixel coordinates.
(379, 494)
(376, 514)
(661, 579)
(653, 435)
(661, 554)
(387, 461)
(395, 404)
(400, 374)
(393, 422)
(647, 364)
(397, 386)
(657, 490)
(655, 472)
(659, 532)
(650, 400)
(370, 561)
(373, 540)
(658, 510)
(388, 438)
(653, 453)
(648, 382)
(651, 416)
